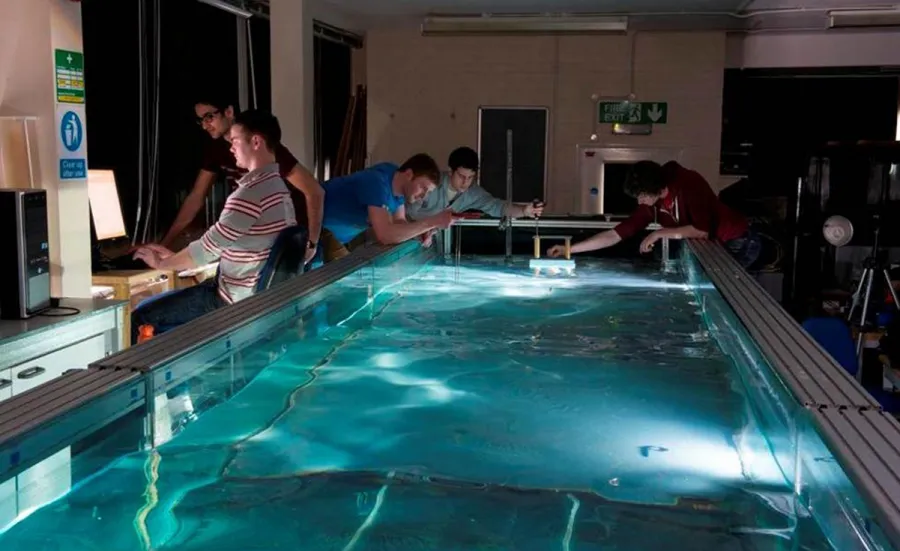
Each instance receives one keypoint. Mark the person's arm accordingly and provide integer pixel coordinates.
(178, 262)
(301, 179)
(400, 215)
(390, 230)
(237, 218)
(191, 206)
(700, 208)
(639, 219)
(596, 242)
(478, 198)
(420, 210)
(682, 232)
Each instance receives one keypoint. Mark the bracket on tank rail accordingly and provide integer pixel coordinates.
(566, 263)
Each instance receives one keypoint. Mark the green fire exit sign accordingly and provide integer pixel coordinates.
(632, 112)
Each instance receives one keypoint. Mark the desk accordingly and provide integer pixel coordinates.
(41, 348)
(133, 286)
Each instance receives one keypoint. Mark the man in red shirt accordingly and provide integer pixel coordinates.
(682, 202)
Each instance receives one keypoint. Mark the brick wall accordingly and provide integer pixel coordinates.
(424, 93)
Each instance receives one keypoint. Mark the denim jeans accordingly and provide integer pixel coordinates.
(176, 308)
(745, 249)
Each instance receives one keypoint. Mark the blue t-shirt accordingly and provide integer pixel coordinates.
(348, 198)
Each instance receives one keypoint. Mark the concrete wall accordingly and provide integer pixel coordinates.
(293, 67)
(424, 93)
(838, 48)
(30, 30)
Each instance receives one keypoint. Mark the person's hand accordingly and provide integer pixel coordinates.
(649, 241)
(533, 210)
(556, 251)
(160, 250)
(152, 255)
(443, 220)
(310, 253)
(427, 238)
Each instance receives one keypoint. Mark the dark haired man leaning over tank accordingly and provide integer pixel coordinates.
(682, 202)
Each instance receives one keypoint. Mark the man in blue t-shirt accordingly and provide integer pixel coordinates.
(376, 198)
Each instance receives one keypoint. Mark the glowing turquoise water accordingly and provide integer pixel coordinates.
(470, 408)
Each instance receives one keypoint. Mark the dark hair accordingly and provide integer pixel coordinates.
(463, 157)
(262, 124)
(218, 102)
(422, 164)
(644, 177)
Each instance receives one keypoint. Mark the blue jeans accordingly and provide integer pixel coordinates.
(170, 310)
(745, 249)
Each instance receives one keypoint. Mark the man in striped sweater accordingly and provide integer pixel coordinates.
(254, 215)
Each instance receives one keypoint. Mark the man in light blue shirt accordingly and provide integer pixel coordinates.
(376, 197)
(455, 191)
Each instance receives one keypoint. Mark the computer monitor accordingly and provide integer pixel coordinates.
(106, 210)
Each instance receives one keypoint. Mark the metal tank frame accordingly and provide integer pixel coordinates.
(864, 439)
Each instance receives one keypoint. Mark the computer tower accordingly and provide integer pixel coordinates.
(24, 253)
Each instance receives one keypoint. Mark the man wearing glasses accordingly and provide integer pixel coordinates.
(216, 118)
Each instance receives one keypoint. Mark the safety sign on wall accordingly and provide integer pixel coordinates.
(71, 139)
(69, 76)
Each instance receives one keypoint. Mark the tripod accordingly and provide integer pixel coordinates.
(873, 264)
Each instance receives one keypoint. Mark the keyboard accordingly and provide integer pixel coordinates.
(124, 262)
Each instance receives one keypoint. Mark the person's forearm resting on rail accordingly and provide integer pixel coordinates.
(390, 230)
(682, 232)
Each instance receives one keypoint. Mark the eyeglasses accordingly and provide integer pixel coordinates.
(207, 118)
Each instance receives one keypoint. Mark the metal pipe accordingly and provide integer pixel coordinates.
(665, 251)
(243, 90)
(547, 224)
(252, 65)
(509, 190)
(230, 8)
(28, 152)
(446, 242)
(140, 175)
(797, 213)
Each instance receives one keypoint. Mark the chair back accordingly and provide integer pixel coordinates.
(286, 258)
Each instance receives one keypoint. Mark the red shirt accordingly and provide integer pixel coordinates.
(219, 159)
(695, 203)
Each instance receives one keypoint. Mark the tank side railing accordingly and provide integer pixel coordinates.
(863, 440)
(36, 423)
(39, 422)
(173, 344)
(527, 223)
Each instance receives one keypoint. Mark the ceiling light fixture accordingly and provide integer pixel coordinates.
(521, 24)
(889, 17)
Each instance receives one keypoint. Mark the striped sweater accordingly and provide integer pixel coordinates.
(254, 215)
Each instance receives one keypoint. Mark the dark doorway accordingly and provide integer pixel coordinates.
(529, 151)
(332, 96)
(615, 200)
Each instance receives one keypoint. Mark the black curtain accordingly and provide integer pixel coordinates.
(198, 58)
(198, 51)
(333, 75)
(111, 97)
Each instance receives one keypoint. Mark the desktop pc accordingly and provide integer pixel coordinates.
(25, 250)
